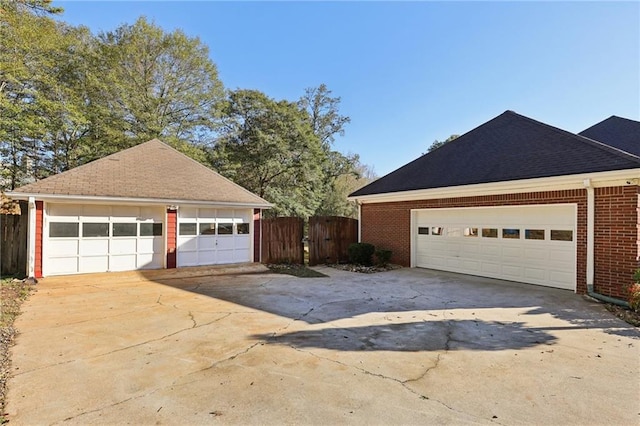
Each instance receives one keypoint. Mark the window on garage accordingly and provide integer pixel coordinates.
(124, 229)
(150, 229)
(64, 230)
(95, 230)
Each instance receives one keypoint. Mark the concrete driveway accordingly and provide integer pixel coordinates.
(402, 347)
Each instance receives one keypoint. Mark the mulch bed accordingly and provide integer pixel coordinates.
(299, 271)
(363, 269)
(624, 314)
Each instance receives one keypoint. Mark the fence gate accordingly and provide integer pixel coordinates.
(282, 240)
(329, 238)
(13, 242)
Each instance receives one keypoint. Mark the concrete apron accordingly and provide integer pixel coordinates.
(402, 347)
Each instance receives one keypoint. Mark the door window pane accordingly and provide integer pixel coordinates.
(470, 232)
(436, 230)
(207, 228)
(95, 230)
(225, 228)
(124, 229)
(150, 229)
(242, 228)
(510, 233)
(63, 230)
(187, 229)
(490, 232)
(560, 235)
(534, 234)
(423, 230)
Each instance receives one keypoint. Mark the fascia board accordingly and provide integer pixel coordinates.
(131, 201)
(557, 183)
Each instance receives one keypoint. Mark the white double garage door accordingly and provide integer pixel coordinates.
(530, 244)
(100, 238)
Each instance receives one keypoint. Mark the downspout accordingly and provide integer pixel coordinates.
(591, 212)
(31, 242)
(359, 220)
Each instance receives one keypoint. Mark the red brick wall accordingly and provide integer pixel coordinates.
(256, 235)
(616, 235)
(172, 238)
(38, 246)
(387, 225)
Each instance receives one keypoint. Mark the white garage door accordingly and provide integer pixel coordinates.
(97, 238)
(531, 244)
(213, 236)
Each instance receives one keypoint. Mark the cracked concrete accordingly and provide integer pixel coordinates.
(401, 347)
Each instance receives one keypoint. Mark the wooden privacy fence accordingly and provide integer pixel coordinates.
(282, 240)
(13, 242)
(329, 238)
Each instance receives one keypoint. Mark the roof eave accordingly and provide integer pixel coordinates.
(128, 200)
(556, 183)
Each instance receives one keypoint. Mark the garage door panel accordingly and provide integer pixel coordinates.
(65, 265)
(242, 255)
(225, 243)
(126, 262)
(206, 243)
(225, 256)
(485, 251)
(94, 263)
(149, 261)
(94, 247)
(187, 243)
(123, 246)
(63, 248)
(187, 258)
(150, 245)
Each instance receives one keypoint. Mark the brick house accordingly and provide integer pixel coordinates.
(519, 200)
(146, 207)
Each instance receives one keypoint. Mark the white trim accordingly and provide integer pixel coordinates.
(412, 241)
(135, 201)
(598, 180)
(591, 213)
(359, 221)
(31, 242)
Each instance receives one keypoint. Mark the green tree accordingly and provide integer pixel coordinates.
(25, 56)
(155, 85)
(327, 122)
(269, 147)
(437, 144)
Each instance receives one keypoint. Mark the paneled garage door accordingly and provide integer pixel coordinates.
(213, 236)
(531, 244)
(97, 238)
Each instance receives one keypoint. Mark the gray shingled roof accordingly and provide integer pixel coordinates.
(508, 147)
(151, 170)
(618, 132)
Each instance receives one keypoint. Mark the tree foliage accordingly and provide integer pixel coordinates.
(68, 96)
(437, 144)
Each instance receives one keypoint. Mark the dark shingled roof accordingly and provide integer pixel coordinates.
(508, 147)
(618, 132)
(151, 170)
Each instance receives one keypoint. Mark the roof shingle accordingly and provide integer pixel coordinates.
(618, 132)
(508, 147)
(151, 170)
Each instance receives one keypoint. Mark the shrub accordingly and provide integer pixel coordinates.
(383, 256)
(361, 253)
(633, 292)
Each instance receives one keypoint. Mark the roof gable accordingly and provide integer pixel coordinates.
(508, 147)
(618, 132)
(151, 170)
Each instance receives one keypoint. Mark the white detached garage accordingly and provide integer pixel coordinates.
(147, 207)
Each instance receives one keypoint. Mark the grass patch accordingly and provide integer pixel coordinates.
(12, 293)
(299, 271)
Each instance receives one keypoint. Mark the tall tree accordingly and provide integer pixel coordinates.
(154, 85)
(25, 56)
(269, 147)
(327, 123)
(437, 144)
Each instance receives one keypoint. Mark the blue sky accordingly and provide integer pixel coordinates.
(412, 72)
